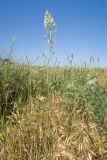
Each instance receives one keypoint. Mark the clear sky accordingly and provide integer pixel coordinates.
(81, 24)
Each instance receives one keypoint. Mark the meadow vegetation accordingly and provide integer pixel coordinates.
(52, 113)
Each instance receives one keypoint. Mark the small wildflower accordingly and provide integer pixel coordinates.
(91, 82)
(71, 86)
(41, 98)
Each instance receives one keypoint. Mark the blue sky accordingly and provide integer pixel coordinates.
(81, 24)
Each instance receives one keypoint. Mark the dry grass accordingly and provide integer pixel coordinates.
(36, 135)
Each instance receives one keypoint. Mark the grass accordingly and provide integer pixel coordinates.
(59, 117)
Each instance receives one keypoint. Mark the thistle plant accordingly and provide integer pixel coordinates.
(50, 28)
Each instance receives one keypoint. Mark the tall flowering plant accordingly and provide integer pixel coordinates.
(50, 28)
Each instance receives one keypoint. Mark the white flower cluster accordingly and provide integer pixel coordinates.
(91, 82)
(49, 22)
